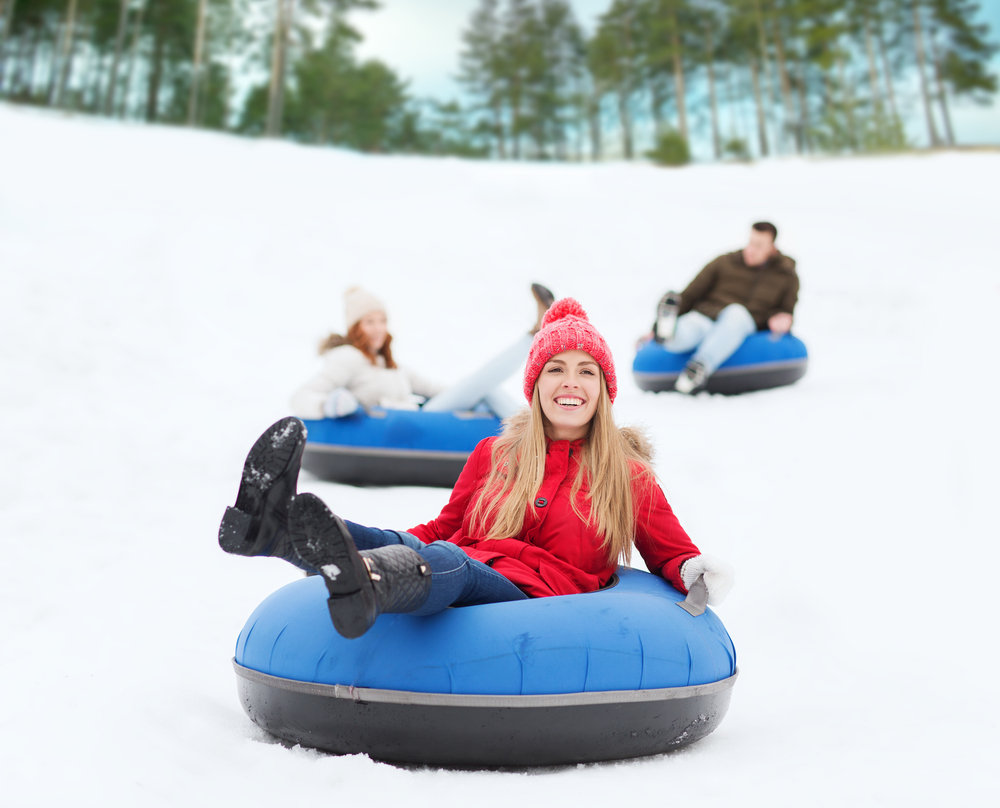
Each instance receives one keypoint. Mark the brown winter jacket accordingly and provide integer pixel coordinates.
(765, 290)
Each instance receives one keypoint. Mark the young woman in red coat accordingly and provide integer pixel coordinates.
(548, 508)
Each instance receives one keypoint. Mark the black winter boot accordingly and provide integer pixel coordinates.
(362, 585)
(257, 525)
(544, 298)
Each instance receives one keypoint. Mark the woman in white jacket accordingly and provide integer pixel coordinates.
(358, 369)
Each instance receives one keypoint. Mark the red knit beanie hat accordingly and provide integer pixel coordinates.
(565, 327)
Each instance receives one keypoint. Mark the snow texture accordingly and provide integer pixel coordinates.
(163, 294)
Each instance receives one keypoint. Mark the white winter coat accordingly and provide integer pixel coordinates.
(372, 385)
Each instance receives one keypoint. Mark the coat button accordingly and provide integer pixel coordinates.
(541, 502)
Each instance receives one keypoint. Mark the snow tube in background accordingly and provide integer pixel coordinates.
(606, 675)
(759, 363)
(395, 447)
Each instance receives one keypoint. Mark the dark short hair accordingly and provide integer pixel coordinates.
(766, 227)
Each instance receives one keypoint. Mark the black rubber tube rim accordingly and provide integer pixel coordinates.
(409, 697)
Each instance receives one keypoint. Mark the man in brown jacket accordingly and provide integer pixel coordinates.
(731, 298)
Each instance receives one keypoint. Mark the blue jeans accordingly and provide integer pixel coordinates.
(716, 340)
(456, 579)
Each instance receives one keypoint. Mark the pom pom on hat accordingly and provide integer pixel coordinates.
(566, 327)
(567, 307)
(358, 303)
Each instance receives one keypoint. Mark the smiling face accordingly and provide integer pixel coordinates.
(568, 389)
(375, 328)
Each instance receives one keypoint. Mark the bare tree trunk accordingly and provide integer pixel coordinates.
(786, 84)
(515, 116)
(804, 108)
(53, 67)
(6, 19)
(710, 65)
(731, 92)
(579, 121)
(196, 68)
(133, 58)
(91, 97)
(109, 96)
(27, 63)
(289, 22)
(498, 129)
(657, 98)
(276, 94)
(675, 42)
(277, 79)
(762, 44)
(66, 53)
(847, 99)
(887, 71)
(4, 14)
(155, 77)
(594, 120)
(872, 70)
(625, 117)
(942, 98)
(918, 38)
(761, 119)
(21, 63)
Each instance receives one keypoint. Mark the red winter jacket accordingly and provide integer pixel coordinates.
(556, 553)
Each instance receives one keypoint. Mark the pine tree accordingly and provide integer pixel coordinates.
(616, 62)
(961, 61)
(482, 70)
(109, 94)
(920, 50)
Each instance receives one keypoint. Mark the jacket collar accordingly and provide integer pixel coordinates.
(776, 261)
(563, 445)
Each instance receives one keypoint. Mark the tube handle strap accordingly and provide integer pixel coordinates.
(697, 599)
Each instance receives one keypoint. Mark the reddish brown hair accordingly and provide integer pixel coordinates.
(357, 339)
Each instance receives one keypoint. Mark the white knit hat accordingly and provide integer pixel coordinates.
(358, 303)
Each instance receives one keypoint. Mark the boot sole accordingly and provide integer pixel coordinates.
(543, 295)
(258, 504)
(323, 541)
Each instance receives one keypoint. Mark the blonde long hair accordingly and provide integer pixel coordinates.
(611, 460)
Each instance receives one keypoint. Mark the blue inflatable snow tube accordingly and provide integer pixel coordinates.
(618, 673)
(762, 361)
(395, 447)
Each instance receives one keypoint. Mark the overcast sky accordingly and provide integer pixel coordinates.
(421, 40)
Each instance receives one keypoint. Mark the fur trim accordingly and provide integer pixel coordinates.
(639, 440)
(331, 342)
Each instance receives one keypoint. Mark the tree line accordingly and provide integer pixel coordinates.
(258, 67)
(735, 77)
(799, 75)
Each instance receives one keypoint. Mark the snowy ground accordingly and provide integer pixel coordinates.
(162, 294)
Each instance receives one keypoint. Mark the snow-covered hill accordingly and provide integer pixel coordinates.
(163, 291)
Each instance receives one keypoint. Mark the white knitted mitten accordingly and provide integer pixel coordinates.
(339, 403)
(719, 576)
